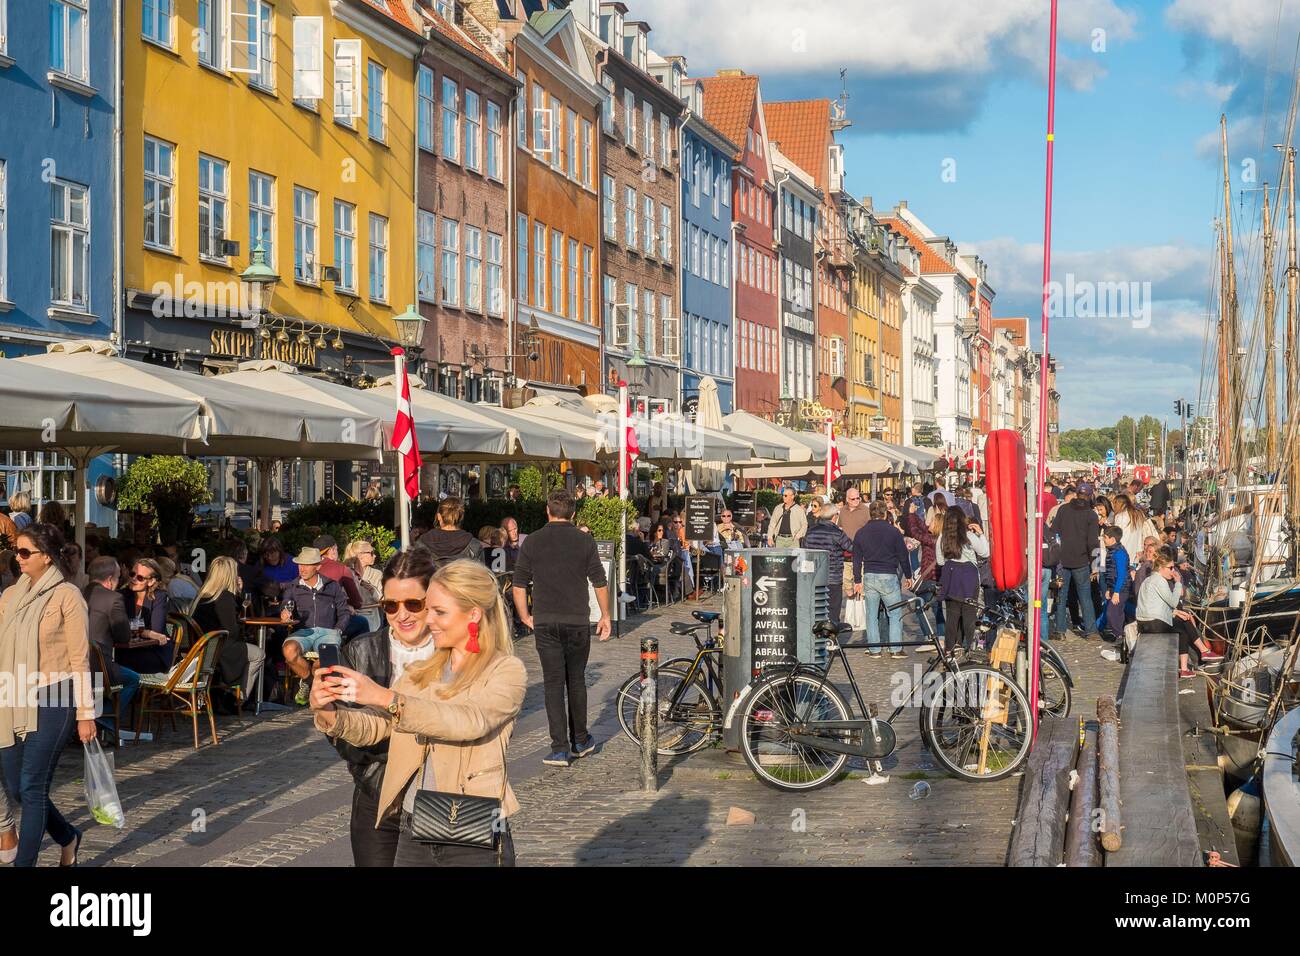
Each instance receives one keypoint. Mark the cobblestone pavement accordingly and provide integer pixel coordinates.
(274, 793)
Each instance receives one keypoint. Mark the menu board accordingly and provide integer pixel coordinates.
(773, 610)
(742, 509)
(700, 512)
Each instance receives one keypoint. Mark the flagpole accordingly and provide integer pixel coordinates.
(403, 499)
(827, 471)
(621, 543)
(1036, 571)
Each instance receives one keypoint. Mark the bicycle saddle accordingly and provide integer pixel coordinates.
(685, 627)
(829, 629)
(706, 617)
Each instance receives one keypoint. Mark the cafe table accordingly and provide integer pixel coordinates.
(263, 624)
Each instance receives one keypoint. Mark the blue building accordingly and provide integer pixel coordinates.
(58, 173)
(707, 293)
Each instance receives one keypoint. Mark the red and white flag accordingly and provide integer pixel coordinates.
(973, 463)
(633, 449)
(404, 440)
(832, 455)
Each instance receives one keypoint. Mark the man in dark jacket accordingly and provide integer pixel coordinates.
(558, 561)
(448, 541)
(107, 625)
(1160, 497)
(1076, 525)
(825, 535)
(880, 559)
(320, 613)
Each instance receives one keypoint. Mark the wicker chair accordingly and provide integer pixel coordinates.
(186, 687)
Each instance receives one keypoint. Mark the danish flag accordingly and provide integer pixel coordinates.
(832, 454)
(404, 440)
(631, 447)
(973, 463)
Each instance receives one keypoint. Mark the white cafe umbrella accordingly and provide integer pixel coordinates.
(708, 475)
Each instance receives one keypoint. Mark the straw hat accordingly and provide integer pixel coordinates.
(308, 556)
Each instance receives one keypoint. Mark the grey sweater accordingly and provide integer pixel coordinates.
(1157, 600)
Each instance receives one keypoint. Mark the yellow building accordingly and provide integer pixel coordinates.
(217, 155)
(865, 302)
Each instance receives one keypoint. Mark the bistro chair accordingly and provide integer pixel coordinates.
(186, 687)
(112, 692)
(183, 630)
(644, 583)
(710, 570)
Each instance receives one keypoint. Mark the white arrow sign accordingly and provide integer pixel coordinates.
(766, 581)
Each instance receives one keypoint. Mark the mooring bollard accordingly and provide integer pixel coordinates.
(648, 714)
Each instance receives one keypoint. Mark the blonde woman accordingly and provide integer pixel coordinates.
(448, 719)
(20, 509)
(1135, 527)
(43, 634)
(360, 557)
(216, 608)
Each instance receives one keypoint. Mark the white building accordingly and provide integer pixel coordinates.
(920, 365)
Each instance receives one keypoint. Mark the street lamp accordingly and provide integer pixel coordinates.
(636, 371)
(410, 327)
(257, 283)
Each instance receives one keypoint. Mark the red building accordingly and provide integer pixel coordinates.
(733, 104)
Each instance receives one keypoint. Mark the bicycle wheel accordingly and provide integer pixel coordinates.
(1054, 696)
(765, 732)
(959, 736)
(690, 726)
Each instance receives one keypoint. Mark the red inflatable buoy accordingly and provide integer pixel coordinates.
(1004, 464)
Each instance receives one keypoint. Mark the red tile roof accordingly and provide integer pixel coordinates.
(461, 38)
(802, 129)
(931, 261)
(395, 10)
(729, 106)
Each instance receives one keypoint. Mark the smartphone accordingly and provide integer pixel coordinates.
(329, 655)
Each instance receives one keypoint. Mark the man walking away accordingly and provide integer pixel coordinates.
(825, 535)
(1076, 524)
(448, 541)
(558, 561)
(880, 558)
(789, 523)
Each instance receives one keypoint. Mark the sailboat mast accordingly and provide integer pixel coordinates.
(1221, 356)
(1233, 409)
(1293, 452)
(1270, 370)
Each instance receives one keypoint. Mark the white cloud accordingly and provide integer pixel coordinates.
(884, 38)
(1252, 27)
(1094, 394)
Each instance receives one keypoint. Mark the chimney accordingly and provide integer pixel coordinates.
(902, 204)
(731, 73)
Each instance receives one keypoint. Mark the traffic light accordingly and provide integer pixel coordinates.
(1178, 406)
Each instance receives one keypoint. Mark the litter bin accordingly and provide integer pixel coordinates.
(770, 608)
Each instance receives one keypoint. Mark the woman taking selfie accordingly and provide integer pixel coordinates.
(448, 721)
(384, 656)
(43, 628)
(146, 606)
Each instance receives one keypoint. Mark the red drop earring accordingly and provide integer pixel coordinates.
(472, 644)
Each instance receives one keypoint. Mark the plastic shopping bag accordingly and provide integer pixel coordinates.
(101, 791)
(855, 613)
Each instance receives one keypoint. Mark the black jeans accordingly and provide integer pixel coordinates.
(372, 846)
(837, 599)
(563, 650)
(959, 624)
(1187, 635)
(28, 769)
(411, 853)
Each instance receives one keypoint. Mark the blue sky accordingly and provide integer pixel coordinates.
(1137, 183)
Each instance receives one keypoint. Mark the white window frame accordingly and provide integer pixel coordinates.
(347, 81)
(77, 235)
(426, 256)
(648, 138)
(308, 60)
(539, 265)
(164, 190)
(648, 341)
(573, 278)
(449, 233)
(588, 282)
(588, 136)
(648, 225)
(216, 205)
(522, 263)
(376, 75)
(345, 245)
(243, 19)
(613, 324)
(495, 150)
(633, 293)
(630, 226)
(665, 232)
(555, 259)
(449, 111)
(610, 217)
(155, 26)
(495, 286)
(377, 260)
(473, 115)
(213, 50)
(264, 78)
(306, 236)
(557, 140)
(426, 116)
(629, 118)
(607, 108)
(665, 136)
(543, 144)
(571, 165)
(76, 71)
(473, 268)
(670, 331)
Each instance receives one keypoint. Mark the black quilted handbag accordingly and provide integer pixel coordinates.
(459, 819)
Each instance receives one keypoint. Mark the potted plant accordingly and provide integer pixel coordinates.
(168, 487)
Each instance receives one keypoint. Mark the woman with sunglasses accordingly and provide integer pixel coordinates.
(43, 633)
(383, 656)
(360, 558)
(447, 719)
(146, 606)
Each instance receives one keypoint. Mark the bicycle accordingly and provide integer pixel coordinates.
(688, 693)
(797, 731)
(1055, 682)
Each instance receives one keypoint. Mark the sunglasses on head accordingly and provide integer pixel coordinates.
(414, 605)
